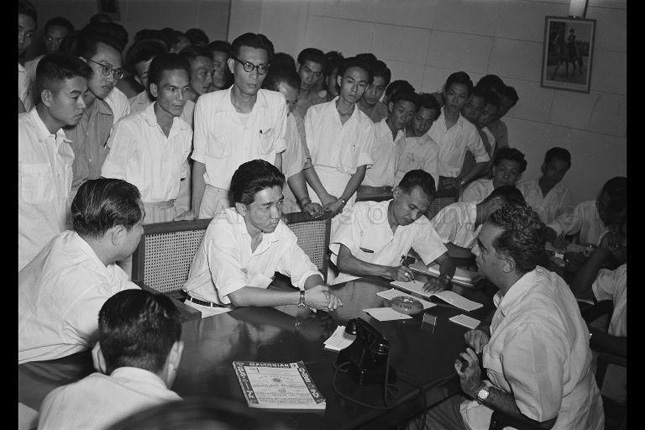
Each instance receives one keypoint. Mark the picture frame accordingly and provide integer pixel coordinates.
(567, 55)
(110, 8)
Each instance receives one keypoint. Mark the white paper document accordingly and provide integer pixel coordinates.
(465, 321)
(393, 292)
(339, 339)
(448, 296)
(386, 314)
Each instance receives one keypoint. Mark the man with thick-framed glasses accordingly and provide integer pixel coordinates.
(89, 137)
(236, 125)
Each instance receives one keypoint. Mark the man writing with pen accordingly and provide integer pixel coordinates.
(372, 237)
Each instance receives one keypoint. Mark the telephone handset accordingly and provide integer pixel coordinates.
(367, 357)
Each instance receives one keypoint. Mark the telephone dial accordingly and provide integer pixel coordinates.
(366, 358)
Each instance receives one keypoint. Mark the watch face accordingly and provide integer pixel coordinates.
(482, 394)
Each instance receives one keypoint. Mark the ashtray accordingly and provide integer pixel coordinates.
(406, 305)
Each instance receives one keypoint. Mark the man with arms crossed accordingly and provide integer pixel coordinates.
(245, 245)
(233, 126)
(536, 347)
(372, 238)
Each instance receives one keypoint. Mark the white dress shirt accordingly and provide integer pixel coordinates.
(366, 232)
(44, 184)
(119, 103)
(557, 201)
(60, 294)
(417, 153)
(224, 262)
(382, 172)
(222, 142)
(455, 224)
(477, 191)
(584, 219)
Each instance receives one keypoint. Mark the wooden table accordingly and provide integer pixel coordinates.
(286, 334)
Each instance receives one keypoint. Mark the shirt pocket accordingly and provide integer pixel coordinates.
(37, 182)
(267, 138)
(219, 145)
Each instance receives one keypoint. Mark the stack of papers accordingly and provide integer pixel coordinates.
(462, 276)
(448, 296)
(339, 339)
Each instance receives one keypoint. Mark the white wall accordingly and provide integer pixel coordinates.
(424, 41)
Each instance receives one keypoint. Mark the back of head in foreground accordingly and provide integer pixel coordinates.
(521, 237)
(139, 329)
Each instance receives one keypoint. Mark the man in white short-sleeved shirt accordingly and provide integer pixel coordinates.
(236, 125)
(340, 138)
(45, 155)
(389, 134)
(137, 356)
(458, 224)
(593, 218)
(546, 195)
(150, 148)
(244, 246)
(62, 289)
(374, 236)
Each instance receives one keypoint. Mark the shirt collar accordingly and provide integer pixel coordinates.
(260, 100)
(150, 119)
(518, 290)
(42, 132)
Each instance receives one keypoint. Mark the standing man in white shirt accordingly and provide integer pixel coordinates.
(389, 134)
(340, 138)
(239, 124)
(45, 155)
(27, 24)
(150, 148)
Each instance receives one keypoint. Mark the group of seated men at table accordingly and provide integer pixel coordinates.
(74, 296)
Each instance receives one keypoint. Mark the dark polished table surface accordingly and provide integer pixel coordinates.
(420, 354)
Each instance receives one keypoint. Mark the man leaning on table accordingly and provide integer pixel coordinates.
(245, 245)
(536, 348)
(372, 238)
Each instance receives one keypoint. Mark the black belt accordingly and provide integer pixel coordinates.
(202, 302)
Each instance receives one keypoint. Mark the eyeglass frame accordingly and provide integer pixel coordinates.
(111, 70)
(253, 66)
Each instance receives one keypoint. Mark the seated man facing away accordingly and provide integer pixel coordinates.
(62, 289)
(245, 245)
(536, 349)
(508, 167)
(593, 281)
(459, 224)
(138, 353)
(546, 195)
(373, 237)
(593, 218)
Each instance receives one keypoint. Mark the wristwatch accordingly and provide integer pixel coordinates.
(482, 394)
(301, 303)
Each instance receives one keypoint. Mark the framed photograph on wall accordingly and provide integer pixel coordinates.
(568, 53)
(110, 8)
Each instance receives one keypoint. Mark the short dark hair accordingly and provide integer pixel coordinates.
(558, 154)
(616, 189)
(491, 83)
(493, 98)
(314, 55)
(356, 62)
(144, 50)
(334, 60)
(251, 178)
(26, 8)
(192, 52)
(522, 237)
(282, 59)
(252, 40)
(138, 328)
(460, 77)
(508, 91)
(88, 41)
(379, 68)
(509, 194)
(59, 21)
(103, 203)
(281, 73)
(220, 46)
(428, 101)
(164, 62)
(418, 178)
(408, 96)
(112, 30)
(100, 18)
(197, 37)
(148, 33)
(512, 154)
(53, 69)
(398, 85)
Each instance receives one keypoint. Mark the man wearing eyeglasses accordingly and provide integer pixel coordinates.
(236, 125)
(89, 137)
